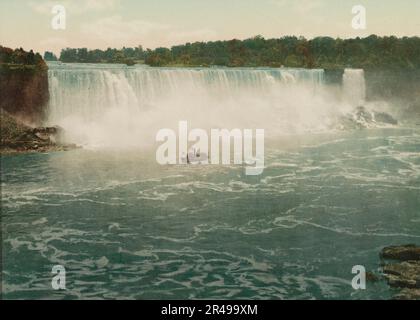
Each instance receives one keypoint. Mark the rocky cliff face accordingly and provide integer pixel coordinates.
(24, 92)
(24, 97)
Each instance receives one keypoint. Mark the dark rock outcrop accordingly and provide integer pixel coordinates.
(404, 274)
(18, 137)
(408, 294)
(362, 118)
(402, 253)
(383, 117)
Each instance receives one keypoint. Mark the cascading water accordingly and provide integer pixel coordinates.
(114, 105)
(363, 114)
(354, 87)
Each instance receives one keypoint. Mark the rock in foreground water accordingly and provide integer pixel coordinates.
(405, 274)
(362, 118)
(402, 253)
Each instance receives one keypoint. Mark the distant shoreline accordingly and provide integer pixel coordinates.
(370, 53)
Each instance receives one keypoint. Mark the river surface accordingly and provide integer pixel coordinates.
(125, 227)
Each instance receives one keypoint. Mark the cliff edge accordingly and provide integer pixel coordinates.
(23, 85)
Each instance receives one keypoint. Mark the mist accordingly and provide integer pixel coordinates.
(124, 107)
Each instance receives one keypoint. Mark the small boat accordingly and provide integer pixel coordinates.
(194, 157)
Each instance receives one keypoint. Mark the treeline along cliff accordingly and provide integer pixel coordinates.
(369, 53)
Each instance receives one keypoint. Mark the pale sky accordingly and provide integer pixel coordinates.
(153, 23)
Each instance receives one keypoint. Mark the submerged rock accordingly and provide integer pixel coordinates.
(371, 277)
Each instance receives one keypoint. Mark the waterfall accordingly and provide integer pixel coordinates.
(354, 87)
(118, 105)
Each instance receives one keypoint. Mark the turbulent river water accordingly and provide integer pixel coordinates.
(124, 226)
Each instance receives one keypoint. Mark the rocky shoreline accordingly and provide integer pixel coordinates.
(17, 137)
(401, 269)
